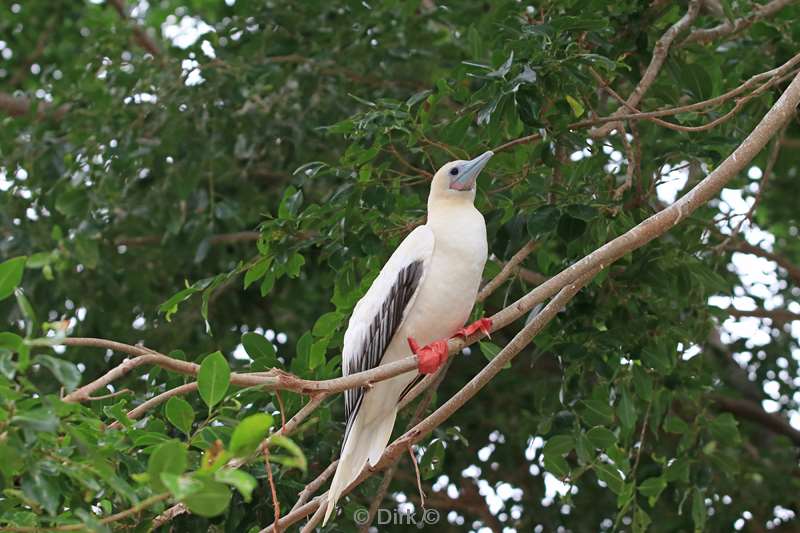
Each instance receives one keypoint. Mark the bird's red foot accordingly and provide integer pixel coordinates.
(483, 324)
(429, 357)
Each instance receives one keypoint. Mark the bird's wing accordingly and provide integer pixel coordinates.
(381, 311)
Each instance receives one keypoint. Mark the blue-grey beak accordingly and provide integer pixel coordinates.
(468, 172)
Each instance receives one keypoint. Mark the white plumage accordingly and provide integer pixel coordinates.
(426, 290)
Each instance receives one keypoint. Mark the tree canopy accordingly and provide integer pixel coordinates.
(194, 195)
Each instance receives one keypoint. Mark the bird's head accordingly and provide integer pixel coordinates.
(455, 181)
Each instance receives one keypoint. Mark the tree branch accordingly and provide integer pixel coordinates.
(728, 27)
(782, 261)
(755, 413)
(136, 509)
(780, 316)
(18, 106)
(222, 238)
(139, 33)
(660, 53)
(507, 271)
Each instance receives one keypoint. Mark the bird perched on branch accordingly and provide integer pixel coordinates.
(422, 296)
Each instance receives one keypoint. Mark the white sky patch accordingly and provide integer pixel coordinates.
(140, 98)
(239, 353)
(186, 32)
(672, 182)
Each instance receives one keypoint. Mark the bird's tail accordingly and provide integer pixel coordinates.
(365, 442)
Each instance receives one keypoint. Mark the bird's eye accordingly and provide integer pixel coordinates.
(454, 171)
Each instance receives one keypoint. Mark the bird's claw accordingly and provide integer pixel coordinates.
(484, 325)
(431, 356)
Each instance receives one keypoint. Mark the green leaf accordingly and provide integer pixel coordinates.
(597, 412)
(559, 445)
(725, 429)
(180, 486)
(260, 349)
(316, 355)
(543, 221)
(652, 488)
(249, 433)
(570, 228)
(610, 476)
(40, 420)
(213, 378)
(601, 437)
(290, 205)
(677, 470)
(303, 350)
(327, 324)
(118, 412)
(168, 457)
(577, 107)
(256, 272)
(65, 372)
(641, 520)
(556, 465)
(490, 351)
(626, 411)
(210, 500)
(432, 460)
(180, 414)
(296, 457)
(699, 513)
(642, 383)
(27, 312)
(674, 424)
(42, 489)
(11, 275)
(240, 480)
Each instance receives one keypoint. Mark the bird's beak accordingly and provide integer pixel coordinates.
(469, 172)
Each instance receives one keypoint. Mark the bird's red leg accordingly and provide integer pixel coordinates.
(483, 324)
(431, 356)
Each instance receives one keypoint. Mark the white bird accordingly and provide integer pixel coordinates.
(425, 291)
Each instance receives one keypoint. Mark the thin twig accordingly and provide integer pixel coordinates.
(282, 409)
(660, 53)
(110, 395)
(276, 506)
(419, 478)
(507, 271)
(728, 27)
(136, 509)
(752, 82)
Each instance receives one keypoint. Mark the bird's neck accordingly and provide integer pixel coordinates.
(452, 217)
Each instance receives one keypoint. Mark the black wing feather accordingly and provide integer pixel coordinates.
(381, 331)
